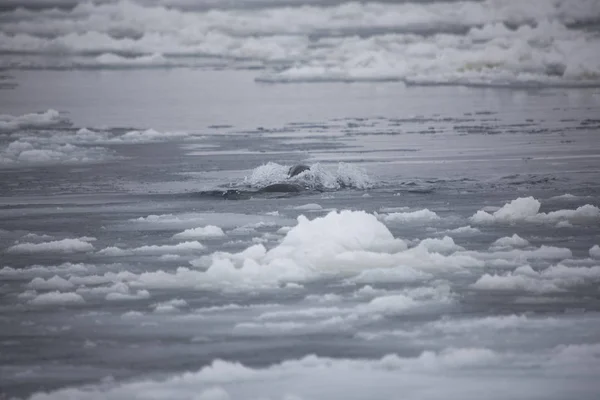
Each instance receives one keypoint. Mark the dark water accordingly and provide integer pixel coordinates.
(125, 268)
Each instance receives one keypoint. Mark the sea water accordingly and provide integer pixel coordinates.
(444, 245)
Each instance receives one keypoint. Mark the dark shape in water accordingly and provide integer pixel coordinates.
(281, 188)
(297, 169)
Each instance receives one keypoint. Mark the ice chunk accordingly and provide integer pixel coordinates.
(526, 209)
(424, 215)
(511, 241)
(57, 246)
(56, 298)
(595, 251)
(50, 118)
(201, 232)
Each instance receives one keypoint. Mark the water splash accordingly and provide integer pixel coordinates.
(318, 177)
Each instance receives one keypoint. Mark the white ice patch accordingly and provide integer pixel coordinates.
(418, 216)
(48, 119)
(520, 255)
(57, 246)
(183, 247)
(389, 275)
(342, 244)
(565, 197)
(118, 296)
(556, 278)
(472, 43)
(526, 209)
(445, 245)
(193, 220)
(464, 230)
(99, 137)
(33, 152)
(209, 231)
(56, 298)
(449, 371)
(595, 251)
(170, 306)
(510, 241)
(54, 283)
(47, 270)
(36, 144)
(309, 207)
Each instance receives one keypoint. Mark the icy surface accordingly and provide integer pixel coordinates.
(495, 43)
(443, 243)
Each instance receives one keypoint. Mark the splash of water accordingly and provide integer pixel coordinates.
(318, 177)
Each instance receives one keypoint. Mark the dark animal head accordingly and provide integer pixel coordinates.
(297, 169)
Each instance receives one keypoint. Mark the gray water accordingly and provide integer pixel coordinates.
(444, 245)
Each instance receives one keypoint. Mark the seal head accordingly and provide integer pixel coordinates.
(297, 169)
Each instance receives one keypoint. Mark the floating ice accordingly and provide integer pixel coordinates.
(445, 245)
(342, 244)
(54, 283)
(516, 210)
(184, 247)
(526, 209)
(309, 207)
(388, 275)
(117, 296)
(57, 246)
(470, 43)
(595, 251)
(193, 220)
(56, 298)
(47, 270)
(33, 152)
(449, 370)
(208, 231)
(464, 230)
(48, 119)
(511, 241)
(170, 306)
(556, 278)
(514, 282)
(424, 215)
